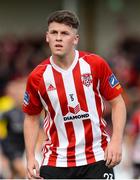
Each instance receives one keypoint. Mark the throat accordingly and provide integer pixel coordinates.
(63, 63)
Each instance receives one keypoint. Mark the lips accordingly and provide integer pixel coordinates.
(58, 45)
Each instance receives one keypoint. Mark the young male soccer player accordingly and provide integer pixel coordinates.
(69, 86)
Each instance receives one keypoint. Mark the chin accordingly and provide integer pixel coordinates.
(60, 54)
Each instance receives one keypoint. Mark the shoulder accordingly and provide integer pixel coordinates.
(96, 62)
(91, 58)
(38, 71)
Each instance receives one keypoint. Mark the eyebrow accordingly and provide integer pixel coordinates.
(64, 31)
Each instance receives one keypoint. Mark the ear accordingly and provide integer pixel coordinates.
(47, 40)
(76, 40)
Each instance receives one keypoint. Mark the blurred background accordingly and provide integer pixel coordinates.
(110, 28)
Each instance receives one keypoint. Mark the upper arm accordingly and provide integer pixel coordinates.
(118, 99)
(32, 103)
(109, 85)
(31, 117)
(31, 120)
(118, 103)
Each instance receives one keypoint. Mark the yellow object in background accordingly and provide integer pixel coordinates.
(6, 104)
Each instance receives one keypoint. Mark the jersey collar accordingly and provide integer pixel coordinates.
(70, 68)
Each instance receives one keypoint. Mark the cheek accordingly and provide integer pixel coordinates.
(49, 41)
(71, 42)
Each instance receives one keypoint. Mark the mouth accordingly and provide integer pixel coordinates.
(58, 46)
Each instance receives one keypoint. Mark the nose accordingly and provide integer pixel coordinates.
(58, 37)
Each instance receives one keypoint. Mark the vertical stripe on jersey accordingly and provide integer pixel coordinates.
(61, 92)
(71, 146)
(83, 103)
(80, 142)
(79, 88)
(70, 90)
(54, 108)
(76, 126)
(52, 132)
(48, 124)
(92, 107)
(99, 104)
(89, 141)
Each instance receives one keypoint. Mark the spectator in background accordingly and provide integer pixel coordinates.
(12, 142)
(125, 63)
(18, 56)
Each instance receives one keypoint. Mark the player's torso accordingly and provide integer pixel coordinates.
(73, 123)
(70, 93)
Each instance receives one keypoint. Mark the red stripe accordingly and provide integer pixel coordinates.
(71, 161)
(99, 110)
(88, 141)
(55, 142)
(47, 126)
(87, 123)
(79, 88)
(53, 131)
(61, 92)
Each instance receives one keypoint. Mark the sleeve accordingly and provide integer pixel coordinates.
(32, 104)
(109, 85)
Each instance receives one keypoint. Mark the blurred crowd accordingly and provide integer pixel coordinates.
(18, 57)
(125, 63)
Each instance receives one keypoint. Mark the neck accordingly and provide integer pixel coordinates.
(65, 61)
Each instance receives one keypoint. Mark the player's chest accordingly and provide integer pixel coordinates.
(68, 87)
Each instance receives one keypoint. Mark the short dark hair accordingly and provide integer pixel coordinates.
(65, 17)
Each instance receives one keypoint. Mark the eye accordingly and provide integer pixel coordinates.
(53, 32)
(65, 33)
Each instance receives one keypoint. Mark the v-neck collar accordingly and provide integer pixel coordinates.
(61, 70)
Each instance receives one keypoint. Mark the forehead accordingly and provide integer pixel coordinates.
(60, 27)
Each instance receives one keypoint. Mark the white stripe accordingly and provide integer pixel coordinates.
(90, 99)
(58, 120)
(70, 89)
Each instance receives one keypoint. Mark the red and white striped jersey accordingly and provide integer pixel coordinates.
(73, 101)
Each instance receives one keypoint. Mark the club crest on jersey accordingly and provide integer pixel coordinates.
(26, 98)
(113, 81)
(87, 79)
